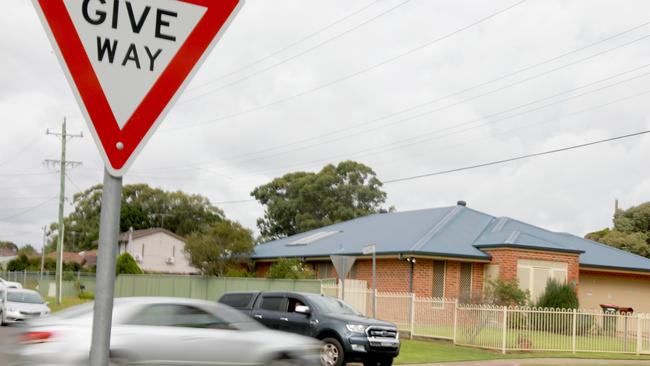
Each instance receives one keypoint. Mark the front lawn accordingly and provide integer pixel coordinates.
(66, 303)
(442, 351)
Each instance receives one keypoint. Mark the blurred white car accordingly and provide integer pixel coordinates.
(19, 305)
(163, 331)
(8, 284)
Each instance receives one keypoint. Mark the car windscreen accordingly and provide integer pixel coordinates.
(236, 300)
(24, 297)
(330, 305)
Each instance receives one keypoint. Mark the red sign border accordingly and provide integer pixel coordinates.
(148, 115)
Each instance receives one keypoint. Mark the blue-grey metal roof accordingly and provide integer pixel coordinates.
(456, 231)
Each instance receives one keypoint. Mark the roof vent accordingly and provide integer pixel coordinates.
(461, 203)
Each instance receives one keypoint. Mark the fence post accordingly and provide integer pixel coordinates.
(575, 330)
(25, 278)
(455, 319)
(412, 315)
(505, 330)
(639, 334)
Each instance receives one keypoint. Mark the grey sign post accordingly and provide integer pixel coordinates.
(109, 225)
(343, 264)
(368, 250)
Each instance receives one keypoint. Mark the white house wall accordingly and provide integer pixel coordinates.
(154, 250)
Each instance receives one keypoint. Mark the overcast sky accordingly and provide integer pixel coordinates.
(296, 84)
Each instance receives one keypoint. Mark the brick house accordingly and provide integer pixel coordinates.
(452, 251)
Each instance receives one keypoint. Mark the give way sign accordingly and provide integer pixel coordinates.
(128, 61)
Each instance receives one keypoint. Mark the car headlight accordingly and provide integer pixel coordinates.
(356, 328)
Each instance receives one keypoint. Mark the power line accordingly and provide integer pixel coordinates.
(28, 146)
(27, 210)
(456, 93)
(318, 45)
(311, 35)
(527, 156)
(346, 77)
(425, 136)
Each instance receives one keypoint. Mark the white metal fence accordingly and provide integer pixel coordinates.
(507, 328)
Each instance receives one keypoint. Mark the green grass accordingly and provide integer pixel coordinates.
(440, 351)
(66, 303)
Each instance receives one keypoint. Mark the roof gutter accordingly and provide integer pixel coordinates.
(528, 247)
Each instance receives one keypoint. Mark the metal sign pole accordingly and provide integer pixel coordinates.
(374, 282)
(109, 226)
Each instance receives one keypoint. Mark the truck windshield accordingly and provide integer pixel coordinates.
(330, 305)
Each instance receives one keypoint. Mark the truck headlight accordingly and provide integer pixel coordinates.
(356, 328)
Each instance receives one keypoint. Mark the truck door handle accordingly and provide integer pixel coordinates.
(257, 316)
(284, 319)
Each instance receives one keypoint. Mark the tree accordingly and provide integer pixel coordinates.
(127, 265)
(220, 247)
(8, 245)
(506, 293)
(290, 269)
(301, 201)
(143, 207)
(631, 231)
(558, 296)
(28, 250)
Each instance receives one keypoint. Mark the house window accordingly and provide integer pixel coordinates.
(438, 288)
(533, 275)
(324, 270)
(174, 251)
(465, 282)
(142, 250)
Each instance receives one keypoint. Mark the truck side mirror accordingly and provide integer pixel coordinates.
(302, 309)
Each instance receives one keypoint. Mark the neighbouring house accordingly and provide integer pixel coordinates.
(86, 258)
(6, 256)
(157, 250)
(69, 257)
(453, 251)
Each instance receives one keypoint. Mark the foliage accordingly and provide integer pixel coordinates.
(32, 264)
(8, 245)
(28, 250)
(631, 231)
(558, 296)
(506, 293)
(143, 207)
(220, 247)
(291, 269)
(302, 201)
(127, 265)
(239, 273)
(87, 295)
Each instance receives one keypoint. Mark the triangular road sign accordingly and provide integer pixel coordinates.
(129, 60)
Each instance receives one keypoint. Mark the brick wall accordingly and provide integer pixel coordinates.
(452, 280)
(507, 259)
(262, 268)
(393, 275)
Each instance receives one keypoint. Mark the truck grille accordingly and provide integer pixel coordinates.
(382, 333)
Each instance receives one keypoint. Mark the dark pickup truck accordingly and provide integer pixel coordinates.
(347, 335)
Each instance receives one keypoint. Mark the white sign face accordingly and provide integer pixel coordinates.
(130, 43)
(128, 61)
(369, 249)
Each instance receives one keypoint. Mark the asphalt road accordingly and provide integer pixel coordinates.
(6, 336)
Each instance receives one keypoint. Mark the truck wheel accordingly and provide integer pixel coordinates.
(332, 353)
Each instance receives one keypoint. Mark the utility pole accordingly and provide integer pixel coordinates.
(63, 163)
(162, 218)
(43, 251)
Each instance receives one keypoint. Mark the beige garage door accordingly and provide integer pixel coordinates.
(596, 289)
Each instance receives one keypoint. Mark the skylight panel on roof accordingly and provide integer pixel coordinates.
(313, 238)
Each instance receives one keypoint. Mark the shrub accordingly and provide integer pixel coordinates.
(127, 265)
(558, 296)
(241, 272)
(506, 293)
(87, 295)
(293, 269)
